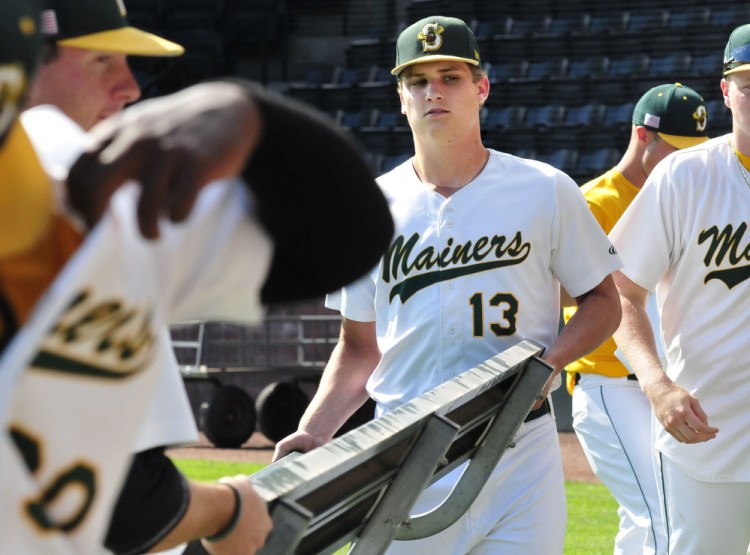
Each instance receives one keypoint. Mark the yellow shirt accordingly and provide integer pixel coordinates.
(607, 196)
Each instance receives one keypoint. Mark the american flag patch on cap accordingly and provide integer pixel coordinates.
(651, 120)
(49, 23)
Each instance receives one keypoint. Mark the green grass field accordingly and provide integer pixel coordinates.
(592, 511)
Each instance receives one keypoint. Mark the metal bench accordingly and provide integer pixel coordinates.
(360, 487)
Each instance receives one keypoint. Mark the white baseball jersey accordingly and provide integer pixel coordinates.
(470, 275)
(57, 141)
(77, 380)
(684, 236)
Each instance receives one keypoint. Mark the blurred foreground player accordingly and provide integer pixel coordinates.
(80, 320)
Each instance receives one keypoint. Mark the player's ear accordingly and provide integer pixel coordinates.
(725, 91)
(483, 90)
(642, 133)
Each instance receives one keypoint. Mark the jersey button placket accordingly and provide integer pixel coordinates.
(450, 317)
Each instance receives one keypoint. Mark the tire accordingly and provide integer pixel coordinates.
(364, 414)
(279, 407)
(228, 418)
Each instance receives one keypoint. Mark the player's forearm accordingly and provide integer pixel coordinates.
(340, 393)
(231, 526)
(596, 318)
(635, 338)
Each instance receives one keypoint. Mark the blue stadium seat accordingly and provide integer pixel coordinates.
(564, 159)
(589, 66)
(647, 20)
(618, 114)
(629, 65)
(611, 21)
(595, 162)
(689, 17)
(546, 69)
(587, 115)
(675, 65)
(504, 118)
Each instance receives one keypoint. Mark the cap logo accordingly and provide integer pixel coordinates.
(27, 26)
(651, 120)
(430, 37)
(701, 118)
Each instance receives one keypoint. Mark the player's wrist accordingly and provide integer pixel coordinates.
(229, 527)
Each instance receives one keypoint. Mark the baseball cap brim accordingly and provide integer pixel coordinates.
(126, 40)
(436, 58)
(25, 197)
(680, 142)
(743, 67)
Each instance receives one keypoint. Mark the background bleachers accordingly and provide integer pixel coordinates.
(564, 73)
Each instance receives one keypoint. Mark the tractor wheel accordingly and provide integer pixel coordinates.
(228, 418)
(280, 406)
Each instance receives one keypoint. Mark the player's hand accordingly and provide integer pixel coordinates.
(173, 146)
(679, 412)
(253, 527)
(553, 382)
(298, 441)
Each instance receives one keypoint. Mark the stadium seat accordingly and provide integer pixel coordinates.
(620, 114)
(689, 18)
(595, 162)
(546, 69)
(589, 66)
(504, 118)
(564, 159)
(565, 25)
(609, 22)
(647, 21)
(628, 65)
(531, 25)
(587, 115)
(544, 116)
(675, 65)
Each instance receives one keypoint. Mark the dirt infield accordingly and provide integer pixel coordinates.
(260, 449)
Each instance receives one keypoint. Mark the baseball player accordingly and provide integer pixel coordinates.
(692, 213)
(81, 320)
(86, 76)
(610, 412)
(482, 241)
(86, 72)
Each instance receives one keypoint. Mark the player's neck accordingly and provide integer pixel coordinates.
(446, 170)
(631, 168)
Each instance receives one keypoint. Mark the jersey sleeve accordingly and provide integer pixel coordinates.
(356, 301)
(645, 234)
(582, 254)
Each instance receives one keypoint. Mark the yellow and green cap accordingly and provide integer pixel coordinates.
(433, 39)
(737, 51)
(101, 25)
(676, 112)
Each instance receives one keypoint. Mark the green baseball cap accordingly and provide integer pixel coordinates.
(676, 112)
(737, 51)
(101, 25)
(19, 49)
(433, 39)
